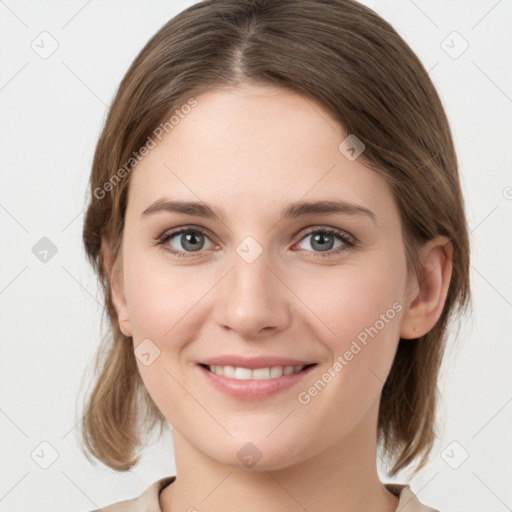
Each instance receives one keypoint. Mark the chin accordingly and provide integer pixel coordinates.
(258, 455)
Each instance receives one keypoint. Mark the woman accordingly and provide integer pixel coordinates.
(277, 222)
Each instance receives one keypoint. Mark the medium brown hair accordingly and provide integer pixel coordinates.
(344, 56)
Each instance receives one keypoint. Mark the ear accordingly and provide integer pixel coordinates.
(114, 271)
(426, 296)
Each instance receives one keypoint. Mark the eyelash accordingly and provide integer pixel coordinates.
(348, 241)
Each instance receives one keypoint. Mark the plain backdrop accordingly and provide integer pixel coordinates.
(53, 100)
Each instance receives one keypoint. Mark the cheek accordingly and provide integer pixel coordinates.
(161, 298)
(164, 305)
(358, 311)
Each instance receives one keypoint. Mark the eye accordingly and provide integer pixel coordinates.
(322, 240)
(190, 241)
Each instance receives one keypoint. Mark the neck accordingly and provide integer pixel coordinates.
(342, 478)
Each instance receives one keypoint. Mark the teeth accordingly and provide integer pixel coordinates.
(240, 373)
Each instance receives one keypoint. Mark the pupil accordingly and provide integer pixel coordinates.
(189, 241)
(321, 238)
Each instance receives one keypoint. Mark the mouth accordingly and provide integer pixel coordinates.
(253, 383)
(264, 373)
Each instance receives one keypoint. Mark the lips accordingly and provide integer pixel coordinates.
(250, 378)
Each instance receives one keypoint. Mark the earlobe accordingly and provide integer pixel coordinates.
(114, 271)
(427, 295)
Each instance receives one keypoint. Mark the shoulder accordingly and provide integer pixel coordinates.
(146, 502)
(408, 498)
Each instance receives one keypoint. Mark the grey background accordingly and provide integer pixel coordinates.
(52, 108)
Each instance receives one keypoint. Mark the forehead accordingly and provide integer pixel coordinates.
(261, 145)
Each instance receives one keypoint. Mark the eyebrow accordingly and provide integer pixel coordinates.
(291, 211)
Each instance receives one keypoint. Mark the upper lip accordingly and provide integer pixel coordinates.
(253, 362)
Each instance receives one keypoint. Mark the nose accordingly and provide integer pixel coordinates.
(253, 300)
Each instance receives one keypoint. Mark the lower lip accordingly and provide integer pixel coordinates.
(253, 389)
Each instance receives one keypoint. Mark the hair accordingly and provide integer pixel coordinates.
(344, 56)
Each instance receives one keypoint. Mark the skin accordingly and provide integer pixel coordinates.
(250, 151)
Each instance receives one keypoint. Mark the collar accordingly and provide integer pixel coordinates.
(148, 501)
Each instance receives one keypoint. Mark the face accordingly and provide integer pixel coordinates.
(319, 290)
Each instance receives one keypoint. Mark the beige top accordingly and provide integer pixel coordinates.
(148, 500)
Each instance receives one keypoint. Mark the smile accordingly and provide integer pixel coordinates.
(253, 383)
(241, 373)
